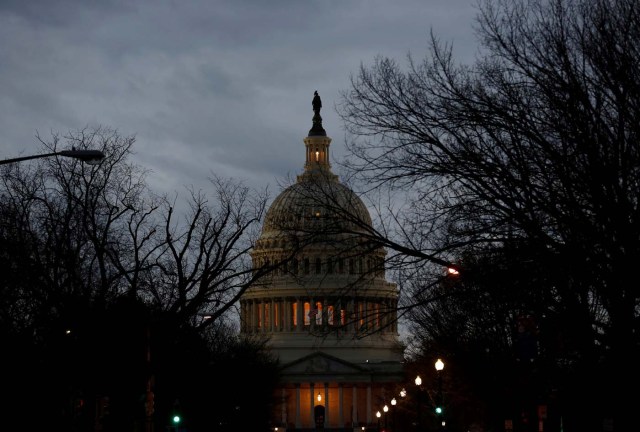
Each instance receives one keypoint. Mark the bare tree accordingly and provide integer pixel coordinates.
(205, 264)
(81, 243)
(537, 141)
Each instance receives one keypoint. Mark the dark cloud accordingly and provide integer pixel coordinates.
(206, 86)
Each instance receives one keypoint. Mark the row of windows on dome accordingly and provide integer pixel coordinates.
(330, 265)
(293, 314)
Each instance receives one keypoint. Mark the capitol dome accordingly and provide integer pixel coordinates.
(316, 202)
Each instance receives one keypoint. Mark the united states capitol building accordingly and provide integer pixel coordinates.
(327, 310)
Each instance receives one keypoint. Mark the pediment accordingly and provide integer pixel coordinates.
(320, 363)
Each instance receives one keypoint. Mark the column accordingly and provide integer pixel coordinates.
(283, 314)
(326, 406)
(354, 405)
(352, 319)
(286, 314)
(283, 402)
(298, 425)
(340, 407)
(312, 319)
(325, 312)
(300, 315)
(312, 393)
(369, 406)
(272, 314)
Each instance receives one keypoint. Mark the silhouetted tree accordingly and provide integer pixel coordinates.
(95, 265)
(536, 142)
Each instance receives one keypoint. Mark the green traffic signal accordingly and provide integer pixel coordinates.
(176, 419)
(438, 410)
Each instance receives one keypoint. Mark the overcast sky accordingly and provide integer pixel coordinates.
(206, 87)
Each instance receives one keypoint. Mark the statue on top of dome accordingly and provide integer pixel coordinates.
(317, 129)
(316, 103)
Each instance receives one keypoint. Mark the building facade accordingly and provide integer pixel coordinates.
(327, 310)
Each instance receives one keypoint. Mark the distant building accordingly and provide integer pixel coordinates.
(328, 311)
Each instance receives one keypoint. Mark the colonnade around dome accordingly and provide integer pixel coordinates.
(307, 314)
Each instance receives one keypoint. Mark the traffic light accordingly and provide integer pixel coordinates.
(176, 419)
(438, 410)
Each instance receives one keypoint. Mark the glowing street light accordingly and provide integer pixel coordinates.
(439, 402)
(418, 382)
(393, 405)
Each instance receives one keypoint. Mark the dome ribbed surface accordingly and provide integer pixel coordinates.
(314, 203)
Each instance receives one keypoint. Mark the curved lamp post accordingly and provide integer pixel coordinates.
(91, 157)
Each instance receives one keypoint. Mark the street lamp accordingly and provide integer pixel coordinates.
(378, 415)
(439, 402)
(385, 408)
(418, 382)
(91, 157)
(393, 410)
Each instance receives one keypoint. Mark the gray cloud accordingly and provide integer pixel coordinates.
(206, 86)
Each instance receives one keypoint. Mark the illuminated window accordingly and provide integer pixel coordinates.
(276, 315)
(343, 317)
(294, 313)
(330, 315)
(318, 313)
(307, 310)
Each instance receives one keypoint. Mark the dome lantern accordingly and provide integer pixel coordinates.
(317, 142)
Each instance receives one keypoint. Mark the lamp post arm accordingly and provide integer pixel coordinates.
(24, 158)
(88, 156)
